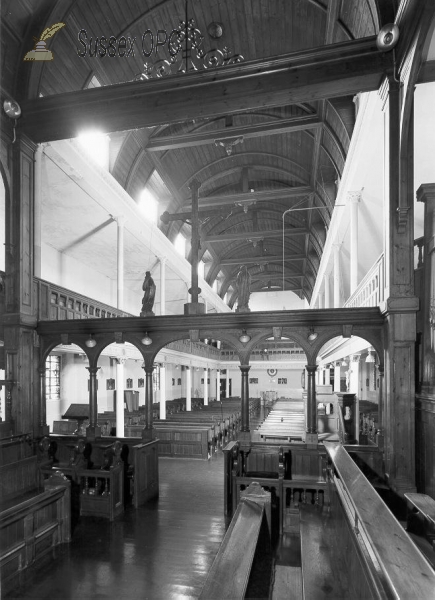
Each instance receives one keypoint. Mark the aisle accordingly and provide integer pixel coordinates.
(162, 551)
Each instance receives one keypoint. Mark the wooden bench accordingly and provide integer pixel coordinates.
(425, 506)
(32, 519)
(246, 541)
(183, 441)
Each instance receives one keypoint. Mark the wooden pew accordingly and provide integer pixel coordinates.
(380, 557)
(246, 543)
(425, 506)
(33, 518)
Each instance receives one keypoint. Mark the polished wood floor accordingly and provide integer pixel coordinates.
(163, 550)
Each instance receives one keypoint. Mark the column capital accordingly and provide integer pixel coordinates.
(120, 219)
(311, 368)
(194, 184)
(426, 192)
(244, 368)
(354, 197)
(93, 370)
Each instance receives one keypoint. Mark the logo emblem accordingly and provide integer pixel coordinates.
(40, 51)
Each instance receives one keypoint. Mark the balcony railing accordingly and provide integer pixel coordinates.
(370, 291)
(57, 303)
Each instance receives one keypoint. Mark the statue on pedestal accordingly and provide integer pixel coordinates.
(149, 288)
(243, 284)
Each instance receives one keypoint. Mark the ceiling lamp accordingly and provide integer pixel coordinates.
(244, 338)
(90, 343)
(146, 341)
(344, 363)
(370, 358)
(312, 335)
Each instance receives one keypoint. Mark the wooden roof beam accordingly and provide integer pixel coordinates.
(329, 71)
(256, 196)
(189, 140)
(253, 235)
(261, 260)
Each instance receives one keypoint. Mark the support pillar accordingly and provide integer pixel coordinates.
(401, 305)
(120, 397)
(93, 431)
(194, 307)
(218, 385)
(380, 432)
(311, 436)
(327, 284)
(120, 263)
(354, 387)
(245, 398)
(37, 261)
(188, 372)
(147, 432)
(163, 286)
(337, 275)
(206, 386)
(337, 377)
(162, 407)
(44, 429)
(354, 199)
(227, 383)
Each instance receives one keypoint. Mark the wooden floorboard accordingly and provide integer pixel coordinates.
(287, 583)
(163, 550)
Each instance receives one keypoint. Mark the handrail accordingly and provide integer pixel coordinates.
(229, 574)
(341, 427)
(398, 566)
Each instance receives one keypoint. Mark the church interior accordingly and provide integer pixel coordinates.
(217, 301)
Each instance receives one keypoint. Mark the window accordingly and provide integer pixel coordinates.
(96, 146)
(180, 244)
(52, 377)
(149, 205)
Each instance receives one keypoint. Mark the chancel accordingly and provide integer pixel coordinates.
(217, 347)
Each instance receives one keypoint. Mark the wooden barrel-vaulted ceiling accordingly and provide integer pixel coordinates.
(253, 165)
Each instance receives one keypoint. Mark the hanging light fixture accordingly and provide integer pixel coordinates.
(90, 343)
(344, 363)
(370, 358)
(312, 335)
(244, 338)
(146, 341)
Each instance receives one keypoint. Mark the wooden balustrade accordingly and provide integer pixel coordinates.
(58, 303)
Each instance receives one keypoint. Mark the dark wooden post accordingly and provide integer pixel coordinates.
(147, 432)
(311, 409)
(245, 398)
(380, 432)
(193, 307)
(93, 431)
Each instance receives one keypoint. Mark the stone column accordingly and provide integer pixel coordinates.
(311, 407)
(162, 407)
(120, 386)
(227, 383)
(44, 429)
(218, 385)
(93, 431)
(354, 199)
(188, 372)
(120, 265)
(206, 386)
(147, 432)
(245, 398)
(337, 275)
(162, 287)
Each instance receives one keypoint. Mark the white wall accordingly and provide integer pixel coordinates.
(424, 156)
(266, 383)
